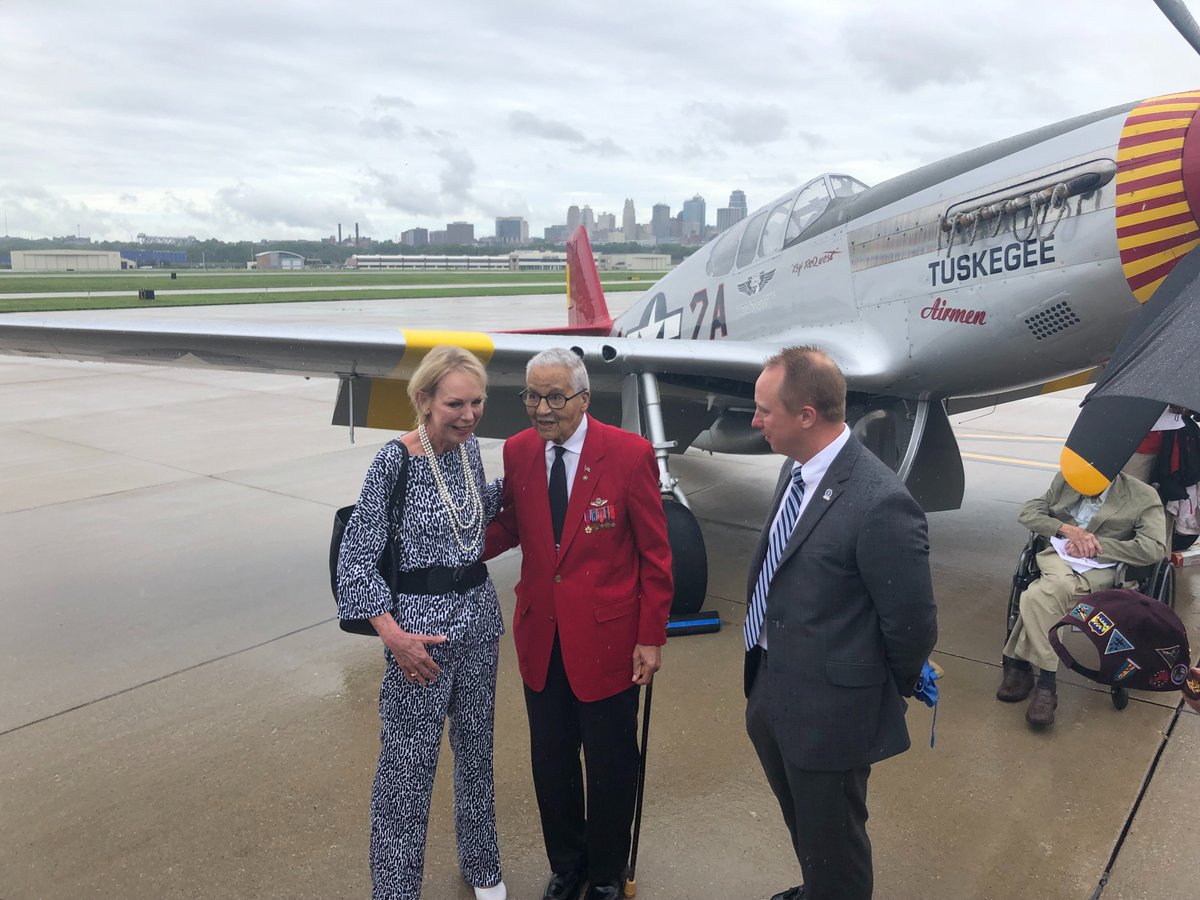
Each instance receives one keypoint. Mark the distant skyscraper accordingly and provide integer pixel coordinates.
(629, 222)
(512, 230)
(606, 222)
(660, 222)
(737, 200)
(460, 233)
(587, 219)
(415, 237)
(556, 234)
(572, 218)
(693, 218)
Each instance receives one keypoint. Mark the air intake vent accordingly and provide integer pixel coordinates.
(1052, 320)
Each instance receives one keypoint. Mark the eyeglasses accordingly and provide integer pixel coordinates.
(533, 399)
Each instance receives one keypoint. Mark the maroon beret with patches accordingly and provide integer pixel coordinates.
(1141, 643)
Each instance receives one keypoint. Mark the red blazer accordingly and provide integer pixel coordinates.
(609, 587)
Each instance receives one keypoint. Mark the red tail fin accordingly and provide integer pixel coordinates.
(585, 298)
(587, 313)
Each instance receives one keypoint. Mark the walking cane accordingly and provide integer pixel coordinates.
(631, 879)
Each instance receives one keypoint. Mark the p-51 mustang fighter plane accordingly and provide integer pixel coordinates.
(1002, 272)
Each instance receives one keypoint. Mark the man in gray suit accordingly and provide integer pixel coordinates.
(840, 622)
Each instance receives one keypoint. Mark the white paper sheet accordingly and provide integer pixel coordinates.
(1168, 421)
(1080, 564)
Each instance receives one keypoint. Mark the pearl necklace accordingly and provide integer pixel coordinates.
(467, 520)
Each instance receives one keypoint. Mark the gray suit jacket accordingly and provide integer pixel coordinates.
(850, 616)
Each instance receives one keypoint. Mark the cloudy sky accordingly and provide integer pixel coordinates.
(258, 119)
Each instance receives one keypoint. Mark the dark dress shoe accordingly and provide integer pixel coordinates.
(796, 893)
(1041, 707)
(563, 887)
(604, 890)
(1015, 685)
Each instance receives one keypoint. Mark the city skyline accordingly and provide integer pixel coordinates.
(602, 225)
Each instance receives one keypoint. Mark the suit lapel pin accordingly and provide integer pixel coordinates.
(599, 502)
(586, 470)
(828, 493)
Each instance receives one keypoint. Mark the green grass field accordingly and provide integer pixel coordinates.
(273, 287)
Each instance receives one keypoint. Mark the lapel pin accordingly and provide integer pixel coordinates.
(599, 502)
(828, 493)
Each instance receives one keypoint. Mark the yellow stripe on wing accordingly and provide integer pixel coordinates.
(1070, 381)
(390, 407)
(418, 343)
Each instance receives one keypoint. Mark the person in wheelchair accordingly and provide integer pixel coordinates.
(1122, 524)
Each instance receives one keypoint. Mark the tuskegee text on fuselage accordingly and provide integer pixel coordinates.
(992, 261)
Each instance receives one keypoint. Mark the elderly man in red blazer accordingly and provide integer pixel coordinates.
(581, 498)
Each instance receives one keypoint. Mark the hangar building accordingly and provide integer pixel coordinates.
(69, 261)
(278, 259)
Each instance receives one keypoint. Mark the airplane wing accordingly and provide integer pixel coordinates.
(374, 365)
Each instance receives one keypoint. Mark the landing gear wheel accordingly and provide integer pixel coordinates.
(689, 561)
(1120, 697)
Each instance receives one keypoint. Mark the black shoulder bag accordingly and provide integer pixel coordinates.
(387, 559)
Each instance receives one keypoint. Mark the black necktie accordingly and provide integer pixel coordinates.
(558, 493)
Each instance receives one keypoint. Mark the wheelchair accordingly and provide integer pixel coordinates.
(1156, 580)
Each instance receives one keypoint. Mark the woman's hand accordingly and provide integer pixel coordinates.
(416, 665)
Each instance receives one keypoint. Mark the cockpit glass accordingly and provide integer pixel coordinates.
(810, 203)
(749, 244)
(845, 186)
(720, 260)
(773, 231)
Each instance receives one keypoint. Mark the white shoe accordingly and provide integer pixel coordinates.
(495, 892)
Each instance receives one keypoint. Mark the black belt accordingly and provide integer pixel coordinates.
(441, 579)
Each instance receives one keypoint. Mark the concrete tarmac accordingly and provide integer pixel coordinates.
(180, 716)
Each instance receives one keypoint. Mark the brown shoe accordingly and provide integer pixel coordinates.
(1041, 707)
(1016, 685)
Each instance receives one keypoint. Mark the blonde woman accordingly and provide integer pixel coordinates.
(440, 635)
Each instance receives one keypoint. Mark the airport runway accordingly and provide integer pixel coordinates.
(180, 716)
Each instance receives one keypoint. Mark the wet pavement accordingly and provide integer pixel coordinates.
(181, 717)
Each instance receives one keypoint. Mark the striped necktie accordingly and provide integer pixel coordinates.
(780, 532)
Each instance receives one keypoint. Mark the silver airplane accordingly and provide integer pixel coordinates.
(1005, 271)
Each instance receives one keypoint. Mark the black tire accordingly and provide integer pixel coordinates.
(1120, 697)
(689, 560)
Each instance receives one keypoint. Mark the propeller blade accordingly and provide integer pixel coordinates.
(1177, 14)
(1103, 439)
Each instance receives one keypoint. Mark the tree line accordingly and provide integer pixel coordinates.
(235, 254)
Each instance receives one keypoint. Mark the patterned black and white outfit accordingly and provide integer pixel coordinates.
(413, 716)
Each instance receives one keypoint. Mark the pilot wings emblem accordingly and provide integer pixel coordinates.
(755, 282)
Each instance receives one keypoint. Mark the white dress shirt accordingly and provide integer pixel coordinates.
(574, 447)
(813, 471)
